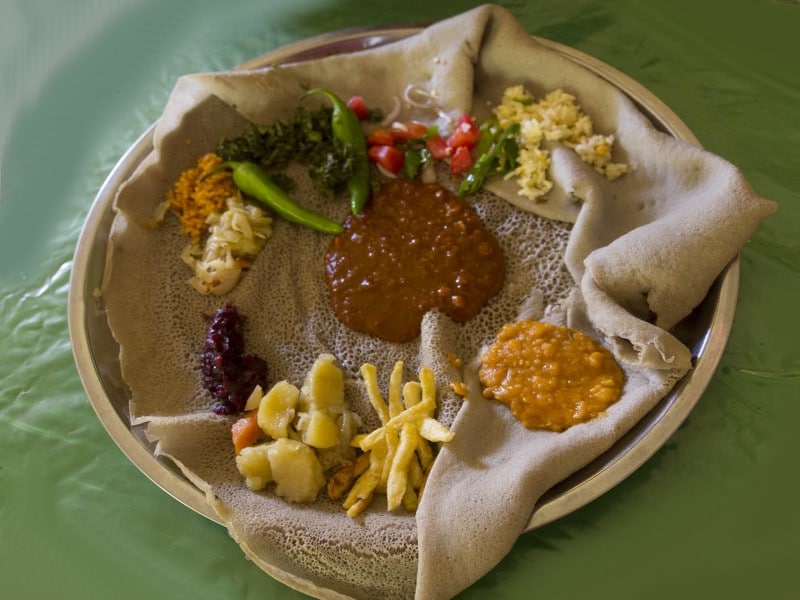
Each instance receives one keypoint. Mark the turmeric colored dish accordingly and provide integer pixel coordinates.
(550, 377)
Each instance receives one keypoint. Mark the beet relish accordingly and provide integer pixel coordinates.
(229, 374)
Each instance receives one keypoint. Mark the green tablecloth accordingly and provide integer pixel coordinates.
(713, 514)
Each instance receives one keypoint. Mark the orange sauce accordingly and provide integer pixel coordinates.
(550, 377)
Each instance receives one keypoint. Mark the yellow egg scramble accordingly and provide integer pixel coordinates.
(557, 117)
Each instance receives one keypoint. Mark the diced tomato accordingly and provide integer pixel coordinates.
(466, 133)
(461, 161)
(388, 157)
(380, 137)
(357, 105)
(438, 147)
(408, 130)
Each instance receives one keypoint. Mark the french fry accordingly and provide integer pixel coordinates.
(425, 454)
(359, 506)
(411, 415)
(398, 452)
(377, 457)
(412, 393)
(369, 440)
(410, 500)
(433, 431)
(361, 464)
(428, 385)
(397, 481)
(369, 373)
(392, 437)
(414, 414)
(360, 494)
(342, 479)
(415, 473)
(396, 390)
(357, 439)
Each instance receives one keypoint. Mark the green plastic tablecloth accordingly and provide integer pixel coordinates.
(713, 514)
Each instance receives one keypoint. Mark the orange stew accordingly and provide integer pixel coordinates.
(416, 247)
(550, 377)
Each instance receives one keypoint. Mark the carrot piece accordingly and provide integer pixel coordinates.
(246, 431)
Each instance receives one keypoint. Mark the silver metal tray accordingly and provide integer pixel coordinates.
(96, 352)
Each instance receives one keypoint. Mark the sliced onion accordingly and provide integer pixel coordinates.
(385, 172)
(393, 113)
(446, 117)
(412, 89)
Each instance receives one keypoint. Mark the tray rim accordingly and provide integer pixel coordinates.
(85, 312)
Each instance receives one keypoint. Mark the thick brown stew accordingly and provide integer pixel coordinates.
(416, 247)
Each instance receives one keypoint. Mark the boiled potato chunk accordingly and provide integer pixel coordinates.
(254, 399)
(253, 463)
(320, 430)
(296, 470)
(277, 409)
(323, 388)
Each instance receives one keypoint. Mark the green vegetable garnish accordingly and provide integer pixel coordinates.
(347, 129)
(497, 154)
(412, 162)
(307, 139)
(254, 182)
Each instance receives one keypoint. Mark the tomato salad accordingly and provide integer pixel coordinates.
(407, 147)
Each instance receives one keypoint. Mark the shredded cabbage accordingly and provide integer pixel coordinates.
(235, 238)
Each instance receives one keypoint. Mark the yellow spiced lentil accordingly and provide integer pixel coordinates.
(194, 200)
(550, 377)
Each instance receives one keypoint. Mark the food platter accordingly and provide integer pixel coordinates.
(96, 352)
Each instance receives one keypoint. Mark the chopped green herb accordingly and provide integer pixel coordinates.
(307, 139)
(331, 170)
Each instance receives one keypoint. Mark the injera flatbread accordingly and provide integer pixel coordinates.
(619, 260)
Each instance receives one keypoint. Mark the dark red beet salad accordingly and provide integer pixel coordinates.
(229, 374)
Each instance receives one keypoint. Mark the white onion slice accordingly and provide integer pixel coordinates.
(392, 113)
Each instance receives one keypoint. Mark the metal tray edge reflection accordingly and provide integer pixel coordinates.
(96, 352)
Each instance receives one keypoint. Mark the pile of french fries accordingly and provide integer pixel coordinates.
(397, 456)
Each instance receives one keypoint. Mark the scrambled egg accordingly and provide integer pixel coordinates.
(556, 117)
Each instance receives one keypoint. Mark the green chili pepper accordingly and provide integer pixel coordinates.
(497, 155)
(412, 162)
(347, 129)
(255, 183)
